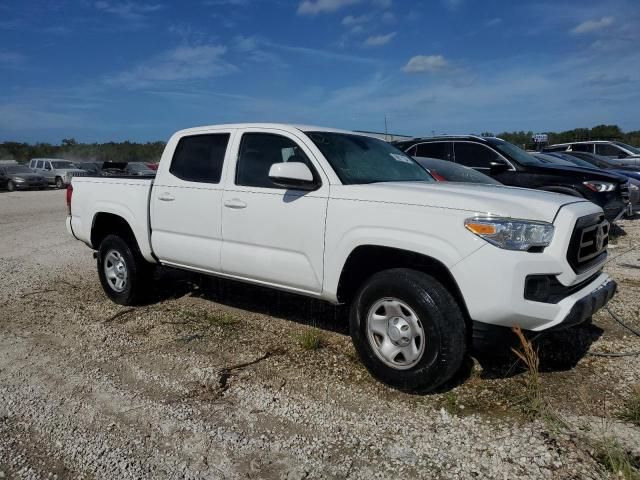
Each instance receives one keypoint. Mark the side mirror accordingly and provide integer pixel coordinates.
(293, 175)
(622, 155)
(497, 167)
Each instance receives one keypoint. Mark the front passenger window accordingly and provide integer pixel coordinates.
(258, 151)
(475, 155)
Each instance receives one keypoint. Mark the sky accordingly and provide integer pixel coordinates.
(118, 70)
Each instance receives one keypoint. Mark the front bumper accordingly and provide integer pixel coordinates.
(492, 282)
(588, 305)
(30, 185)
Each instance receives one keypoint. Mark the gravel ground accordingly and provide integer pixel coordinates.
(211, 381)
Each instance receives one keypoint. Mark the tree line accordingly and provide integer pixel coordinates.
(127, 151)
(70, 149)
(599, 132)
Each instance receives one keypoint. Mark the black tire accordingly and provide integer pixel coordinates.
(11, 186)
(441, 319)
(59, 182)
(138, 270)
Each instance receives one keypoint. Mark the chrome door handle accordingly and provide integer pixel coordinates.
(235, 203)
(166, 197)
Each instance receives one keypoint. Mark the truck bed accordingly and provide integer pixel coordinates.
(126, 197)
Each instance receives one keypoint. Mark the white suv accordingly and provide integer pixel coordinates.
(57, 172)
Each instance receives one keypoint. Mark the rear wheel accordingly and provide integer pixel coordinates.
(124, 273)
(408, 330)
(59, 182)
(11, 186)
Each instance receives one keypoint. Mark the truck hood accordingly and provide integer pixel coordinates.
(477, 199)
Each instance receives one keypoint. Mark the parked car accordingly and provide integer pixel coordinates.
(139, 169)
(20, 177)
(93, 168)
(347, 218)
(617, 152)
(563, 158)
(57, 172)
(605, 164)
(444, 171)
(513, 166)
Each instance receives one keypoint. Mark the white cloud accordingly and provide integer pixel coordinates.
(179, 64)
(452, 4)
(12, 58)
(313, 7)
(493, 22)
(426, 63)
(379, 40)
(351, 20)
(590, 26)
(128, 10)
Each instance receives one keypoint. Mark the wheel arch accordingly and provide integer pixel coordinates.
(367, 260)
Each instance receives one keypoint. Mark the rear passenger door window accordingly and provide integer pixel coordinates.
(259, 151)
(608, 150)
(582, 147)
(440, 150)
(199, 158)
(475, 155)
(40, 165)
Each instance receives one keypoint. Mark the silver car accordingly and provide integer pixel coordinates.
(57, 172)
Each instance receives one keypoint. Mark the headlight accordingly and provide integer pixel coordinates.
(18, 179)
(511, 234)
(633, 186)
(600, 186)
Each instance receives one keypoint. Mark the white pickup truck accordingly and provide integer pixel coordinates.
(344, 217)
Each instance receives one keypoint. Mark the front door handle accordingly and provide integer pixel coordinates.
(166, 197)
(235, 203)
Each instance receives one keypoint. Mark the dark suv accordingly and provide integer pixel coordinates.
(513, 166)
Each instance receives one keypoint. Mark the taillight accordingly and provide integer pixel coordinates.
(437, 176)
(69, 195)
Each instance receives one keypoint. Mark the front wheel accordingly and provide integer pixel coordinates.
(408, 330)
(11, 186)
(124, 273)
(59, 182)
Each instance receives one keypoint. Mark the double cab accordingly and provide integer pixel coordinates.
(350, 219)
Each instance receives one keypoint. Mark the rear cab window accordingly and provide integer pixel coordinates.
(200, 158)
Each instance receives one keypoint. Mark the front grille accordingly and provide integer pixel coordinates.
(624, 191)
(77, 174)
(588, 245)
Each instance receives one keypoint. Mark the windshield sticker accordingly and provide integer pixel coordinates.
(401, 158)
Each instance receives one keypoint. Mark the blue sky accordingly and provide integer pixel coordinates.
(116, 69)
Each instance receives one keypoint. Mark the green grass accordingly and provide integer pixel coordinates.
(211, 319)
(631, 411)
(616, 460)
(311, 340)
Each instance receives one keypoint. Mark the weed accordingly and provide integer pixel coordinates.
(311, 340)
(533, 404)
(450, 403)
(616, 460)
(631, 412)
(211, 319)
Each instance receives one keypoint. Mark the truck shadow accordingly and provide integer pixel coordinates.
(262, 300)
(558, 351)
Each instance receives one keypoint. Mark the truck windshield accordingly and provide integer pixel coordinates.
(358, 159)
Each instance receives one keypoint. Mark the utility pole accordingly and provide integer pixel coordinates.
(386, 131)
